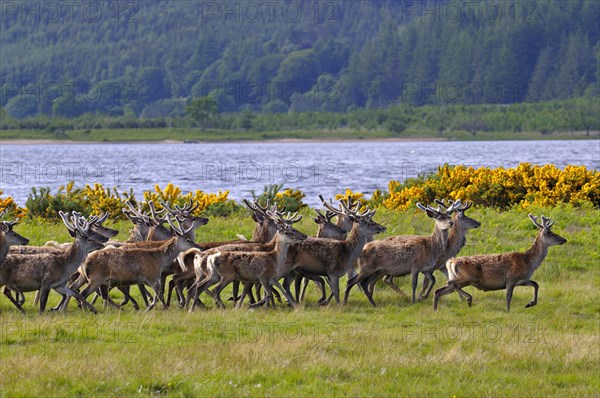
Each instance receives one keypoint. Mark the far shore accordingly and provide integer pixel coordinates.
(281, 140)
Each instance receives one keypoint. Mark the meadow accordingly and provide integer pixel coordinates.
(396, 348)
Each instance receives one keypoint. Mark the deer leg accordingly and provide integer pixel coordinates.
(425, 286)
(245, 290)
(334, 283)
(61, 305)
(217, 291)
(144, 292)
(510, 286)
(366, 282)
(44, 292)
(298, 286)
(20, 297)
(103, 292)
(428, 276)
(201, 286)
(170, 291)
(65, 290)
(12, 300)
(275, 293)
(389, 280)
(36, 299)
(234, 292)
(288, 297)
(76, 285)
(358, 278)
(268, 295)
(414, 281)
(442, 291)
(535, 291)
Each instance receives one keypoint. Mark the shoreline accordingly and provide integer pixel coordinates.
(266, 141)
(164, 142)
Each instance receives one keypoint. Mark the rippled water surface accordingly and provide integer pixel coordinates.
(325, 168)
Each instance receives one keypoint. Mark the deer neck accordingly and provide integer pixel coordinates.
(261, 234)
(3, 247)
(357, 240)
(440, 238)
(74, 256)
(457, 237)
(536, 253)
(282, 246)
(168, 252)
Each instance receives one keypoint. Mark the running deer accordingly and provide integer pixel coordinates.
(97, 232)
(26, 273)
(199, 269)
(456, 241)
(126, 266)
(405, 255)
(501, 271)
(264, 267)
(333, 258)
(8, 237)
(327, 230)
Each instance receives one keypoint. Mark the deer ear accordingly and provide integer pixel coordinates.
(72, 233)
(431, 214)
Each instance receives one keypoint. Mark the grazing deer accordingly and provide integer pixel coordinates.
(501, 271)
(404, 255)
(264, 267)
(133, 265)
(456, 241)
(333, 258)
(25, 273)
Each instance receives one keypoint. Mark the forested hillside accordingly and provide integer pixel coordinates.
(149, 58)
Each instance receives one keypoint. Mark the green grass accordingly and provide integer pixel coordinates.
(552, 349)
(182, 134)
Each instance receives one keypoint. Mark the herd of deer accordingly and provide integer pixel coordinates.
(162, 244)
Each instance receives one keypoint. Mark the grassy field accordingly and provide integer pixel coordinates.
(192, 134)
(399, 349)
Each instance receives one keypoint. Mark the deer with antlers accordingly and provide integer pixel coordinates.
(405, 255)
(8, 237)
(200, 265)
(456, 241)
(266, 267)
(333, 258)
(25, 273)
(125, 266)
(501, 271)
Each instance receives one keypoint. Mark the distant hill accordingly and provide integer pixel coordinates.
(147, 58)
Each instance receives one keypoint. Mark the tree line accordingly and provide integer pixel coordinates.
(149, 59)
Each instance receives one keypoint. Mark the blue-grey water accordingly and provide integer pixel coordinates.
(314, 168)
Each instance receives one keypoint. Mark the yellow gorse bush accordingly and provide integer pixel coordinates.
(293, 194)
(503, 188)
(105, 200)
(13, 209)
(173, 194)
